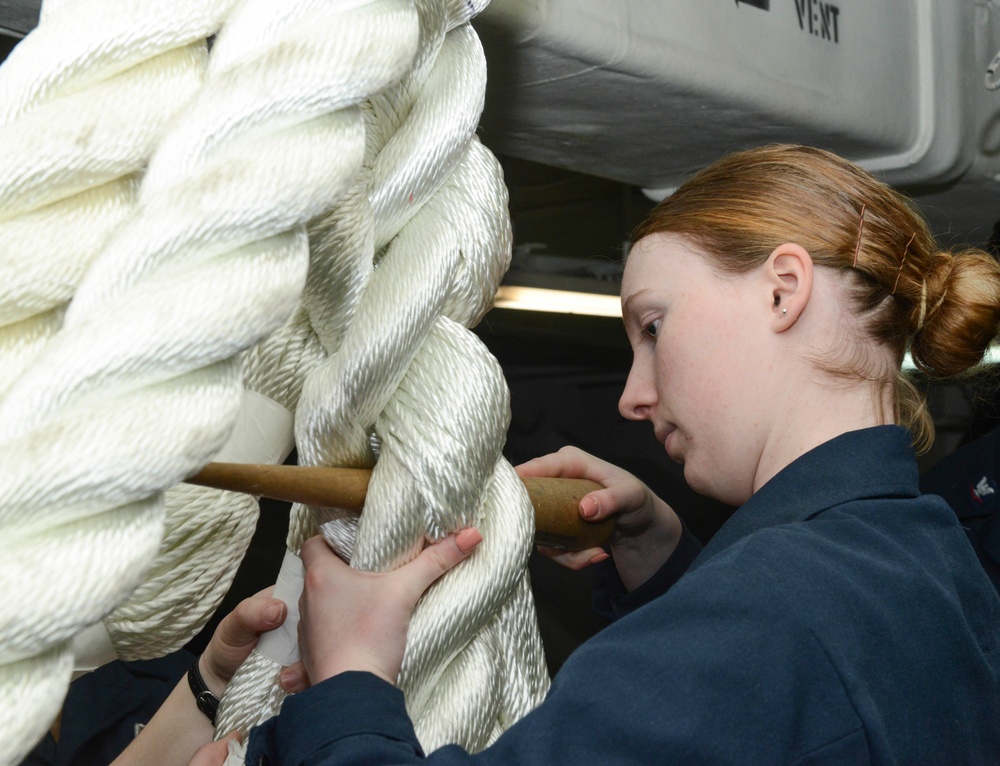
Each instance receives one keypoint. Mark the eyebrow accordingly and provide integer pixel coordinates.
(632, 297)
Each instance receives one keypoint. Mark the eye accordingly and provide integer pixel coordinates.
(651, 329)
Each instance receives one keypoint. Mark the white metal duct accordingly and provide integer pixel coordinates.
(644, 91)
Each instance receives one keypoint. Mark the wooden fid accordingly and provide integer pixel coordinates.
(557, 518)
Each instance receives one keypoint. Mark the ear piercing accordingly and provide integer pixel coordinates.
(784, 311)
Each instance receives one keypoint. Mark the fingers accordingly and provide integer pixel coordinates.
(622, 493)
(354, 620)
(574, 559)
(614, 500)
(237, 636)
(568, 462)
(214, 753)
(316, 551)
(250, 618)
(294, 678)
(437, 559)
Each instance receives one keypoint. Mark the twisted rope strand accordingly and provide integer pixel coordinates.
(309, 50)
(146, 366)
(404, 381)
(79, 117)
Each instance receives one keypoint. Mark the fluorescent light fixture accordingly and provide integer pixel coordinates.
(594, 304)
(557, 301)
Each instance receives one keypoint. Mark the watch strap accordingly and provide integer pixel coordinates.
(207, 702)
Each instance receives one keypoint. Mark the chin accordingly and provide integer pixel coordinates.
(674, 455)
(694, 481)
(708, 488)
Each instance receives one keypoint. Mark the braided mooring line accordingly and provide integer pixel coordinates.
(82, 104)
(141, 384)
(255, 44)
(408, 372)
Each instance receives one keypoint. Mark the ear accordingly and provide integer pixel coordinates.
(788, 273)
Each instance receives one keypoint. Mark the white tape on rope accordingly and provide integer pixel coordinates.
(282, 644)
(236, 753)
(92, 648)
(264, 432)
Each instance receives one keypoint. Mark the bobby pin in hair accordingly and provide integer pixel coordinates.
(924, 313)
(861, 228)
(906, 251)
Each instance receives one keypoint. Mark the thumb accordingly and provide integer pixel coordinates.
(436, 559)
(249, 619)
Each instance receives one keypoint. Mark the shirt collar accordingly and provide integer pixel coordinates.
(872, 462)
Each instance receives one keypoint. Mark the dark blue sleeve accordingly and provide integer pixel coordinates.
(693, 677)
(612, 601)
(357, 718)
(352, 716)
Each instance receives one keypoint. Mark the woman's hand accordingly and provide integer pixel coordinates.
(179, 732)
(237, 636)
(646, 528)
(354, 620)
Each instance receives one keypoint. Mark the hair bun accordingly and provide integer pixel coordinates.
(956, 312)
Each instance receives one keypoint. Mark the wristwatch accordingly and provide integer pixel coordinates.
(207, 702)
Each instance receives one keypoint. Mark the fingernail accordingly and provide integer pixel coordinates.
(599, 558)
(468, 539)
(235, 734)
(273, 612)
(290, 679)
(589, 507)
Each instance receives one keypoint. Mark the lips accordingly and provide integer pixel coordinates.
(664, 436)
(662, 433)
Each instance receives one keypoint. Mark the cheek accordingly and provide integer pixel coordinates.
(693, 371)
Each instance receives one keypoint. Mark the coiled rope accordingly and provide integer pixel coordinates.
(406, 379)
(140, 386)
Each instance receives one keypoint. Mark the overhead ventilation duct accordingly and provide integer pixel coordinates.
(646, 91)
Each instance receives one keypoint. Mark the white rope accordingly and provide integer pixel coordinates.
(190, 580)
(406, 370)
(82, 103)
(83, 100)
(139, 387)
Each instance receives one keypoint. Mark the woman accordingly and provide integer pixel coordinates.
(839, 616)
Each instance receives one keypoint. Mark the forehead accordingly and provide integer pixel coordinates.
(664, 262)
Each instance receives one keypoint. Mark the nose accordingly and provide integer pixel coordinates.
(639, 397)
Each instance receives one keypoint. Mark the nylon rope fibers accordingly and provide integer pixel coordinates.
(410, 384)
(141, 384)
(341, 245)
(208, 530)
(74, 146)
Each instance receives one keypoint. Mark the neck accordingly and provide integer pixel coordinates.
(819, 415)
